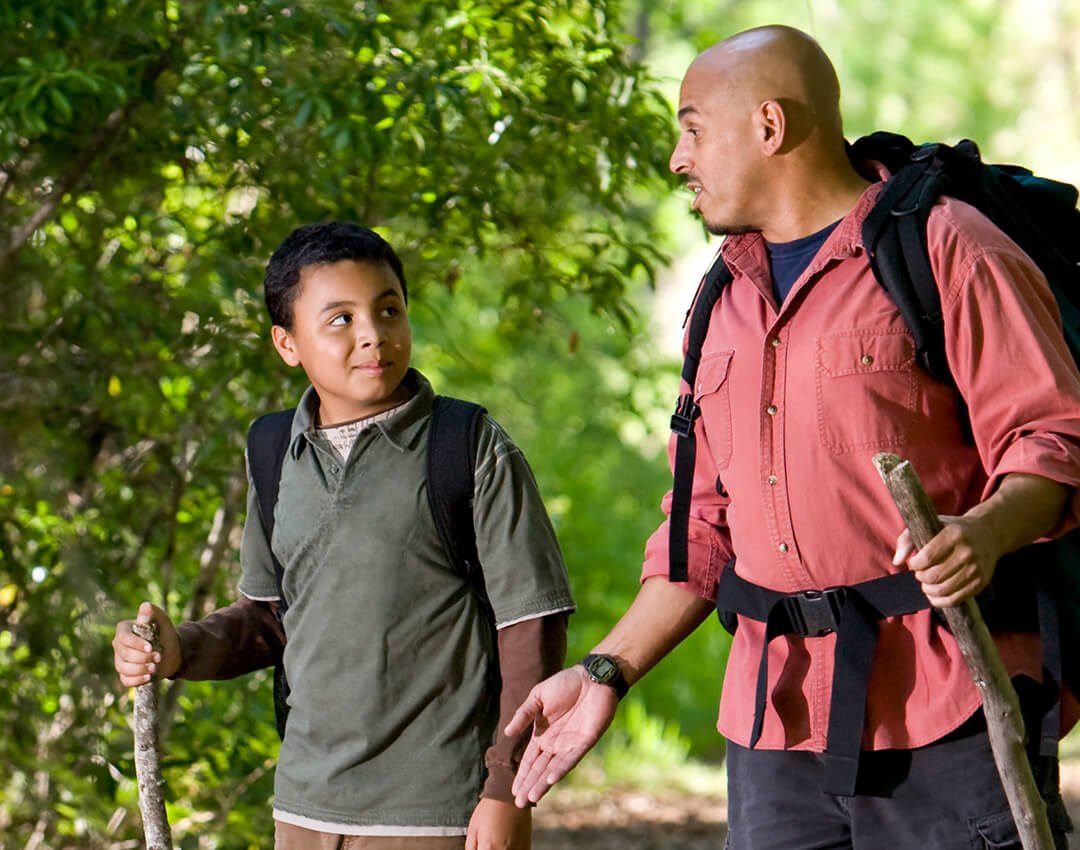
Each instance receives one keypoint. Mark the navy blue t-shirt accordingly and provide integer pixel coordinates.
(788, 260)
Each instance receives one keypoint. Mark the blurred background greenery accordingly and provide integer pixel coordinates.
(152, 154)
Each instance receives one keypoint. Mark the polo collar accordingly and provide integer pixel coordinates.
(401, 429)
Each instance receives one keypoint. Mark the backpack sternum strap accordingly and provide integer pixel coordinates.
(852, 612)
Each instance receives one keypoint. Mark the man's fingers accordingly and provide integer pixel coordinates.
(557, 768)
(529, 786)
(904, 548)
(524, 716)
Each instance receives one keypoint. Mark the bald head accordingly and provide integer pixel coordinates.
(775, 63)
(761, 143)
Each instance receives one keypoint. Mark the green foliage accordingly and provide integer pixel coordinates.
(151, 157)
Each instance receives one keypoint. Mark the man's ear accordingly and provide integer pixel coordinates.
(285, 345)
(771, 125)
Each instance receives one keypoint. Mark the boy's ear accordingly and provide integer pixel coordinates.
(285, 345)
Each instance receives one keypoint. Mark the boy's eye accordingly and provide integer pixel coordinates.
(390, 312)
(341, 319)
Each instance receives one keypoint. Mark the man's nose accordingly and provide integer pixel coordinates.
(679, 162)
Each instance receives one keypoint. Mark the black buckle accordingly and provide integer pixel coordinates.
(814, 613)
(686, 411)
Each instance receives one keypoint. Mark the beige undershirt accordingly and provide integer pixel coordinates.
(343, 436)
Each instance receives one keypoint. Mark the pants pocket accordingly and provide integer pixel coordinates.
(995, 832)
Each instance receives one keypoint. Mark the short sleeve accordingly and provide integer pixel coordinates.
(257, 579)
(524, 572)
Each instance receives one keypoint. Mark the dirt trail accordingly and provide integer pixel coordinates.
(573, 819)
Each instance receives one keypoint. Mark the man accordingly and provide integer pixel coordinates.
(807, 371)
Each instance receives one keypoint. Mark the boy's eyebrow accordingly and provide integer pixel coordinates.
(334, 305)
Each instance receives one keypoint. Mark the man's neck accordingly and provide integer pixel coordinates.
(808, 206)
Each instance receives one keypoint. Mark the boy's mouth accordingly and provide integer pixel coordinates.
(374, 367)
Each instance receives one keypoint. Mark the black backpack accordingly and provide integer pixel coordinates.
(1040, 215)
(451, 462)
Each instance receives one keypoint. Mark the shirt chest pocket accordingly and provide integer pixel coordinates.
(712, 393)
(867, 389)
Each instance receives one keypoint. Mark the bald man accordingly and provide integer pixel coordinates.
(806, 372)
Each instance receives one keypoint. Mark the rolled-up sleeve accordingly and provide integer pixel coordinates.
(1010, 360)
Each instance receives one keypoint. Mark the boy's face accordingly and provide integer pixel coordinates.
(351, 334)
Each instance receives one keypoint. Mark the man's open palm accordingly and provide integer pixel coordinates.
(569, 713)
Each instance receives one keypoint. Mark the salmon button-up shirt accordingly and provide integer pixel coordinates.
(796, 401)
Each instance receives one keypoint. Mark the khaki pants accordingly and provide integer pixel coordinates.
(289, 837)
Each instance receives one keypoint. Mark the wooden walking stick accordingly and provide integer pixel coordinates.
(1000, 703)
(148, 754)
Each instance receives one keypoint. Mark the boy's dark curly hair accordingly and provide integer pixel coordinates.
(315, 245)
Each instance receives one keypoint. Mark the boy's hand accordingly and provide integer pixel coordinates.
(496, 825)
(132, 657)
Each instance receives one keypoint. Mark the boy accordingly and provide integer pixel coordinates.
(386, 648)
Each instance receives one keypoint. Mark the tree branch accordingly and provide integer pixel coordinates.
(101, 139)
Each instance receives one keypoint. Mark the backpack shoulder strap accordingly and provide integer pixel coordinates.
(686, 413)
(894, 236)
(267, 442)
(451, 466)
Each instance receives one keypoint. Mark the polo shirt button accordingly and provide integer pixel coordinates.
(783, 547)
(771, 410)
(775, 342)
(772, 479)
(867, 360)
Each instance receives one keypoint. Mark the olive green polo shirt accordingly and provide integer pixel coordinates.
(388, 650)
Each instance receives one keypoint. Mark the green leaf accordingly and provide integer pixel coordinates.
(62, 104)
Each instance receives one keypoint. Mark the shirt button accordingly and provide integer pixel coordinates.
(775, 342)
(867, 360)
(772, 479)
(334, 470)
(783, 547)
(771, 410)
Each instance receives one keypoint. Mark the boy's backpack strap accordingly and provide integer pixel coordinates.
(268, 440)
(451, 464)
(686, 414)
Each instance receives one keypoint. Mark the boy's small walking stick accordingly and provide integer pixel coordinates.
(1000, 703)
(148, 754)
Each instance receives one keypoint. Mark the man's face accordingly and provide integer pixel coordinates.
(351, 334)
(715, 153)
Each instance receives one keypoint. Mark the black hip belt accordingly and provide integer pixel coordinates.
(852, 612)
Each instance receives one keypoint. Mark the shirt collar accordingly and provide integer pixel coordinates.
(744, 251)
(400, 430)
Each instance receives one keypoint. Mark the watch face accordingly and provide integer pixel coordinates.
(603, 669)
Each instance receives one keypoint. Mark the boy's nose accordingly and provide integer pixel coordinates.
(368, 333)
